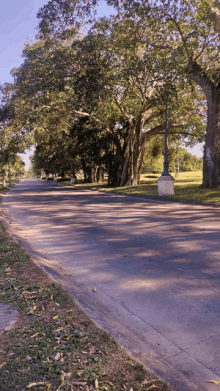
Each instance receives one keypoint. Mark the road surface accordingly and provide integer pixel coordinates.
(155, 265)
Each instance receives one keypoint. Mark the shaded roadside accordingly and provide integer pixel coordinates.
(54, 345)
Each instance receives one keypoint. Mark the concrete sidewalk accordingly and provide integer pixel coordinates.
(155, 266)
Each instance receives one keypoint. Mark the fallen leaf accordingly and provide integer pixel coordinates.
(55, 317)
(33, 336)
(96, 384)
(79, 383)
(28, 358)
(149, 382)
(2, 365)
(31, 311)
(57, 330)
(107, 382)
(216, 382)
(26, 293)
(10, 327)
(42, 383)
(57, 356)
(94, 289)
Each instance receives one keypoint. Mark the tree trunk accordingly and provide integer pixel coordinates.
(9, 172)
(212, 139)
(177, 163)
(132, 155)
(73, 176)
(3, 178)
(140, 163)
(99, 175)
(88, 172)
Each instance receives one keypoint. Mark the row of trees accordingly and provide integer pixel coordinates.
(12, 140)
(92, 96)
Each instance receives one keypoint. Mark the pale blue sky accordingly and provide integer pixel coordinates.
(17, 24)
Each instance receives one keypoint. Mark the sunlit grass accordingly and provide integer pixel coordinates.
(187, 188)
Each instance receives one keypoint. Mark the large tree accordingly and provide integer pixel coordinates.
(13, 139)
(139, 67)
(106, 90)
(187, 33)
(192, 31)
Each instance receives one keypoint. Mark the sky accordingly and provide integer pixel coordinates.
(18, 24)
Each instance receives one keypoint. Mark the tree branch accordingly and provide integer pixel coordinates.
(160, 129)
(196, 73)
(87, 115)
(128, 116)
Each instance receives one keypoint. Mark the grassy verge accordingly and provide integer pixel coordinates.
(54, 345)
(187, 188)
(4, 189)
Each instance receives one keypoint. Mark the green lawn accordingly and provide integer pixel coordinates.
(187, 188)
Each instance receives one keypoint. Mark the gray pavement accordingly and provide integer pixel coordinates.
(8, 317)
(156, 267)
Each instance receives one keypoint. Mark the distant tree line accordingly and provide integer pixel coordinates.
(180, 160)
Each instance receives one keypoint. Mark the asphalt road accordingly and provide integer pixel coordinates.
(155, 265)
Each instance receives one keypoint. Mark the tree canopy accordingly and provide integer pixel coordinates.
(95, 100)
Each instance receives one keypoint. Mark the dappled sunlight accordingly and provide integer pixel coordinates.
(198, 292)
(136, 284)
(190, 245)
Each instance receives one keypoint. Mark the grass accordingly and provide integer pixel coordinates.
(4, 189)
(54, 345)
(187, 188)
